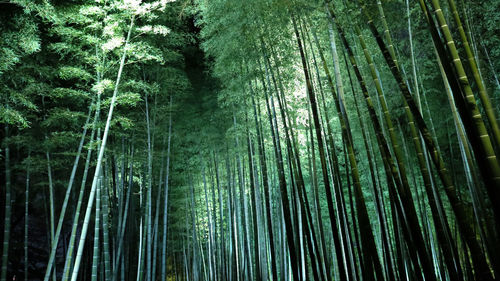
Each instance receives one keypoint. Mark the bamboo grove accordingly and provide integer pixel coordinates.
(250, 140)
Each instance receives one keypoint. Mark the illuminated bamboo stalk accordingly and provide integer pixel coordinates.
(97, 222)
(473, 64)
(457, 206)
(100, 157)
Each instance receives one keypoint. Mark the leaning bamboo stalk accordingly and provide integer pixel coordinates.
(467, 106)
(66, 198)
(296, 173)
(344, 272)
(121, 231)
(69, 257)
(341, 216)
(457, 205)
(492, 68)
(51, 206)
(100, 157)
(438, 223)
(283, 189)
(466, 154)
(403, 188)
(473, 64)
(265, 182)
(385, 239)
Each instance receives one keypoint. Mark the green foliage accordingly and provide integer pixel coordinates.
(19, 38)
(203, 64)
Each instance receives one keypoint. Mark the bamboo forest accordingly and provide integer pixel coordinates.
(257, 140)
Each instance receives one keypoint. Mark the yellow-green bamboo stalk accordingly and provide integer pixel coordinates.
(469, 96)
(483, 95)
(440, 222)
(462, 219)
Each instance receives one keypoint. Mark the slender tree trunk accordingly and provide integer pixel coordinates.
(97, 224)
(26, 216)
(8, 206)
(165, 204)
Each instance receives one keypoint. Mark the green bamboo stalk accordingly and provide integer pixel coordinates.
(8, 207)
(53, 247)
(210, 224)
(149, 205)
(403, 188)
(385, 239)
(95, 256)
(282, 184)
(462, 219)
(296, 172)
(335, 172)
(216, 250)
(126, 212)
(165, 204)
(253, 187)
(51, 208)
(26, 217)
(473, 64)
(69, 256)
(344, 272)
(334, 168)
(100, 157)
(492, 173)
(156, 227)
(265, 182)
(492, 68)
(140, 251)
(105, 228)
(391, 129)
(477, 201)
